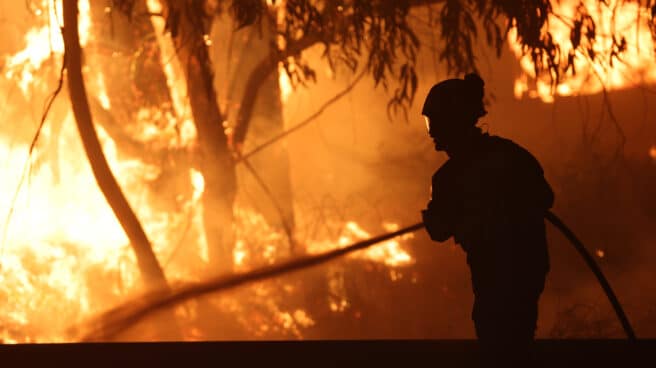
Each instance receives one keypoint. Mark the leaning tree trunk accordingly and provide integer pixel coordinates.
(148, 265)
(216, 162)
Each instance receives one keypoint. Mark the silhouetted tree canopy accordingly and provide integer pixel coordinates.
(381, 32)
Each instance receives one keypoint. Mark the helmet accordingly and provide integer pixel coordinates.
(461, 98)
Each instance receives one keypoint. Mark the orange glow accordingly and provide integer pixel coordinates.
(43, 43)
(66, 255)
(175, 79)
(285, 84)
(637, 65)
(63, 251)
(389, 253)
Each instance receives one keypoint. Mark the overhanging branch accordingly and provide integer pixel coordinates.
(257, 78)
(307, 121)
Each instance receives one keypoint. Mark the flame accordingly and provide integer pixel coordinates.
(257, 237)
(45, 42)
(63, 252)
(285, 84)
(102, 93)
(389, 252)
(174, 76)
(637, 65)
(57, 244)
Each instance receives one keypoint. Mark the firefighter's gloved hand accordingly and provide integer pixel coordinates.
(437, 228)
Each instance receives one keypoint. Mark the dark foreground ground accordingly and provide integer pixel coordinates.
(399, 353)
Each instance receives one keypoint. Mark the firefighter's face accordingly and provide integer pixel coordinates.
(443, 131)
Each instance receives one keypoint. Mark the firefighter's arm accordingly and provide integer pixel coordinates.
(436, 226)
(437, 214)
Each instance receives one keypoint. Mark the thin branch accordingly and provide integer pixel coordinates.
(307, 121)
(611, 114)
(185, 231)
(49, 101)
(257, 78)
(150, 14)
(285, 224)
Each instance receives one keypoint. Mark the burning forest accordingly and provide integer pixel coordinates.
(148, 146)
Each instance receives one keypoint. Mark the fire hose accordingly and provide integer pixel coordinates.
(596, 270)
(116, 320)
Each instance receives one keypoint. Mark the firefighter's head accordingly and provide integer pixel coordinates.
(452, 109)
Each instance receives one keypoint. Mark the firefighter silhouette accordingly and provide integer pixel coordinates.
(491, 197)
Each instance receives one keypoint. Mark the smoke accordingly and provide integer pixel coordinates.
(350, 165)
(595, 152)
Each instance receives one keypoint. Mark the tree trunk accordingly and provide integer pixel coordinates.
(216, 162)
(150, 269)
(255, 84)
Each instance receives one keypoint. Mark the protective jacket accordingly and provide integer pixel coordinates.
(492, 200)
